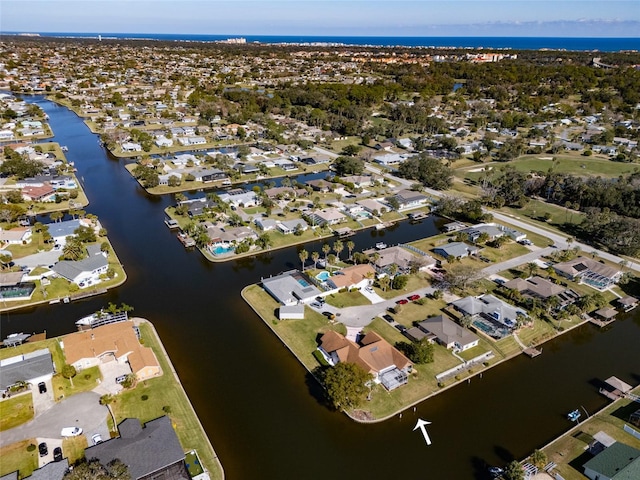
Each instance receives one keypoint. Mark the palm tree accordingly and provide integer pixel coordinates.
(384, 282)
(56, 216)
(303, 255)
(315, 256)
(338, 246)
(350, 246)
(326, 249)
(531, 267)
(73, 249)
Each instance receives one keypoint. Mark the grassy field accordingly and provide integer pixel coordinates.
(155, 397)
(16, 411)
(347, 299)
(575, 164)
(84, 381)
(16, 457)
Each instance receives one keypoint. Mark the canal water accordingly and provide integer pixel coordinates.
(261, 410)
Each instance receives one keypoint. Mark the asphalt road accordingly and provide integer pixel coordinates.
(81, 410)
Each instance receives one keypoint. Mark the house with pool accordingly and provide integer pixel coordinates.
(291, 288)
(354, 277)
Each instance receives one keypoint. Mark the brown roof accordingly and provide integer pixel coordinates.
(374, 354)
(536, 285)
(118, 339)
(352, 275)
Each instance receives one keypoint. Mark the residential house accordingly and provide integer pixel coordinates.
(490, 307)
(359, 181)
(538, 287)
(114, 342)
(131, 147)
(401, 260)
(327, 216)
(291, 288)
(209, 175)
(408, 199)
(374, 207)
(240, 198)
(390, 159)
(16, 236)
(490, 229)
(265, 224)
(150, 452)
(290, 226)
(356, 276)
(589, 271)
(84, 273)
(449, 334)
(59, 231)
(456, 250)
(617, 462)
(34, 367)
(374, 354)
(320, 185)
(453, 227)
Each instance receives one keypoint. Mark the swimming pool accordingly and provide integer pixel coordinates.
(323, 276)
(222, 249)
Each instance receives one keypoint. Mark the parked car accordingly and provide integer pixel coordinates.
(320, 300)
(402, 301)
(42, 387)
(413, 298)
(369, 289)
(57, 454)
(42, 448)
(329, 315)
(71, 432)
(388, 318)
(401, 328)
(96, 438)
(316, 304)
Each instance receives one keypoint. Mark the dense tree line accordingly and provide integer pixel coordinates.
(429, 171)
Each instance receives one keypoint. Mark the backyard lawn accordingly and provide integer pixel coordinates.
(19, 457)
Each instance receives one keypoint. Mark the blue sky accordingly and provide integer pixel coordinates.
(602, 18)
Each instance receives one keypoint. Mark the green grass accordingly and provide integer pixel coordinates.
(166, 391)
(84, 381)
(16, 411)
(347, 299)
(419, 280)
(16, 457)
(74, 447)
(299, 335)
(573, 163)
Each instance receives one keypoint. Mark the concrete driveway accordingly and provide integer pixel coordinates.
(81, 410)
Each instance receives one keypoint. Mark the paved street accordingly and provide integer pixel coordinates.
(81, 410)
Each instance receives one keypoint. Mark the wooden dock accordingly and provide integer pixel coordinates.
(186, 240)
(532, 352)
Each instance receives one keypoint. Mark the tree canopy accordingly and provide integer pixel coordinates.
(428, 170)
(346, 385)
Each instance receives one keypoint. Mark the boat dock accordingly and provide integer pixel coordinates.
(186, 240)
(172, 224)
(416, 217)
(532, 352)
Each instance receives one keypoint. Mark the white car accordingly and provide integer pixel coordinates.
(70, 432)
(96, 438)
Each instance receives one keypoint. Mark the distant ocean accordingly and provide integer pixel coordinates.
(514, 43)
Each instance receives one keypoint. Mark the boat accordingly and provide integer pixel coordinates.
(574, 415)
(381, 246)
(496, 471)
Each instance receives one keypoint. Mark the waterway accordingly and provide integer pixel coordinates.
(260, 408)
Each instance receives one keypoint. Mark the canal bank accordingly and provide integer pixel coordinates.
(262, 410)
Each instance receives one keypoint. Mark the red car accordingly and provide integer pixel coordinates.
(413, 297)
(402, 301)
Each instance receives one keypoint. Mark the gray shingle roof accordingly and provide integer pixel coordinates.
(143, 450)
(33, 365)
(70, 269)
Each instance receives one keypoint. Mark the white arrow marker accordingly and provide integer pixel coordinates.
(421, 425)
